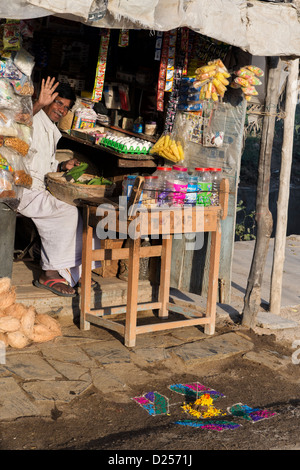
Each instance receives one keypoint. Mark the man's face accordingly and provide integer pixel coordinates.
(59, 108)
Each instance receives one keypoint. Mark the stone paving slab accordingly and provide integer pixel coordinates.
(71, 371)
(274, 322)
(152, 354)
(107, 352)
(215, 348)
(56, 391)
(73, 354)
(31, 367)
(14, 403)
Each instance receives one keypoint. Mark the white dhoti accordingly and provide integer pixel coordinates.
(60, 228)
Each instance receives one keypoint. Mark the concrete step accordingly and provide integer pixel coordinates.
(110, 292)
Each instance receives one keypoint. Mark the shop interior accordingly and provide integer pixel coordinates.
(122, 89)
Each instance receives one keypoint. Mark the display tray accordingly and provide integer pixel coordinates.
(72, 193)
(83, 135)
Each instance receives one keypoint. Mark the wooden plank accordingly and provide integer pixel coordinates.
(122, 309)
(123, 163)
(184, 310)
(212, 292)
(132, 293)
(165, 272)
(170, 325)
(123, 253)
(111, 325)
(284, 187)
(86, 279)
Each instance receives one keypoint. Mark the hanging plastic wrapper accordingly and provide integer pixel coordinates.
(162, 72)
(123, 40)
(16, 91)
(101, 66)
(247, 79)
(12, 35)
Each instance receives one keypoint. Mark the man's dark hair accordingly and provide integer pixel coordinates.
(64, 90)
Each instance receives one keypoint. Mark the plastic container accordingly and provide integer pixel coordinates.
(150, 190)
(216, 176)
(138, 125)
(150, 127)
(7, 187)
(180, 184)
(164, 175)
(204, 187)
(191, 193)
(127, 185)
(144, 262)
(7, 239)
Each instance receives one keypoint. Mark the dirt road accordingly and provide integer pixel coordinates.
(94, 422)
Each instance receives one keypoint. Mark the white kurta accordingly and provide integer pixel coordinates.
(59, 224)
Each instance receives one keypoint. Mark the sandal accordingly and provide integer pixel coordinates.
(52, 282)
(94, 283)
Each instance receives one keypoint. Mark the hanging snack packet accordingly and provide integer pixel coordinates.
(24, 61)
(7, 127)
(24, 86)
(256, 70)
(17, 145)
(9, 70)
(11, 36)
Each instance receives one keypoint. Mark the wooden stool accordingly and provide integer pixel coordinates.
(151, 222)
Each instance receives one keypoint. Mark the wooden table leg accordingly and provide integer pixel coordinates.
(86, 278)
(165, 274)
(132, 292)
(215, 247)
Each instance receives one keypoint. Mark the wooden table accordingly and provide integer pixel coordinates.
(195, 219)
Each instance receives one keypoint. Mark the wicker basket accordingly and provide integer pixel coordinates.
(73, 192)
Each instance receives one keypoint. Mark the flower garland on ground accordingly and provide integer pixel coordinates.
(203, 408)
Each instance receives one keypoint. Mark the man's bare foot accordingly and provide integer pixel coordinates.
(61, 287)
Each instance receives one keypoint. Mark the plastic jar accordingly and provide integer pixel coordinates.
(216, 176)
(127, 185)
(150, 127)
(150, 190)
(180, 185)
(204, 187)
(163, 174)
(191, 192)
(7, 187)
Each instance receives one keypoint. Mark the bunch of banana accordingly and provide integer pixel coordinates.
(169, 148)
(212, 78)
(247, 79)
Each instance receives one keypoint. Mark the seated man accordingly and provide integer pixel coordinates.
(59, 224)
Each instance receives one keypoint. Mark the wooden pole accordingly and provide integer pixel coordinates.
(284, 187)
(264, 220)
